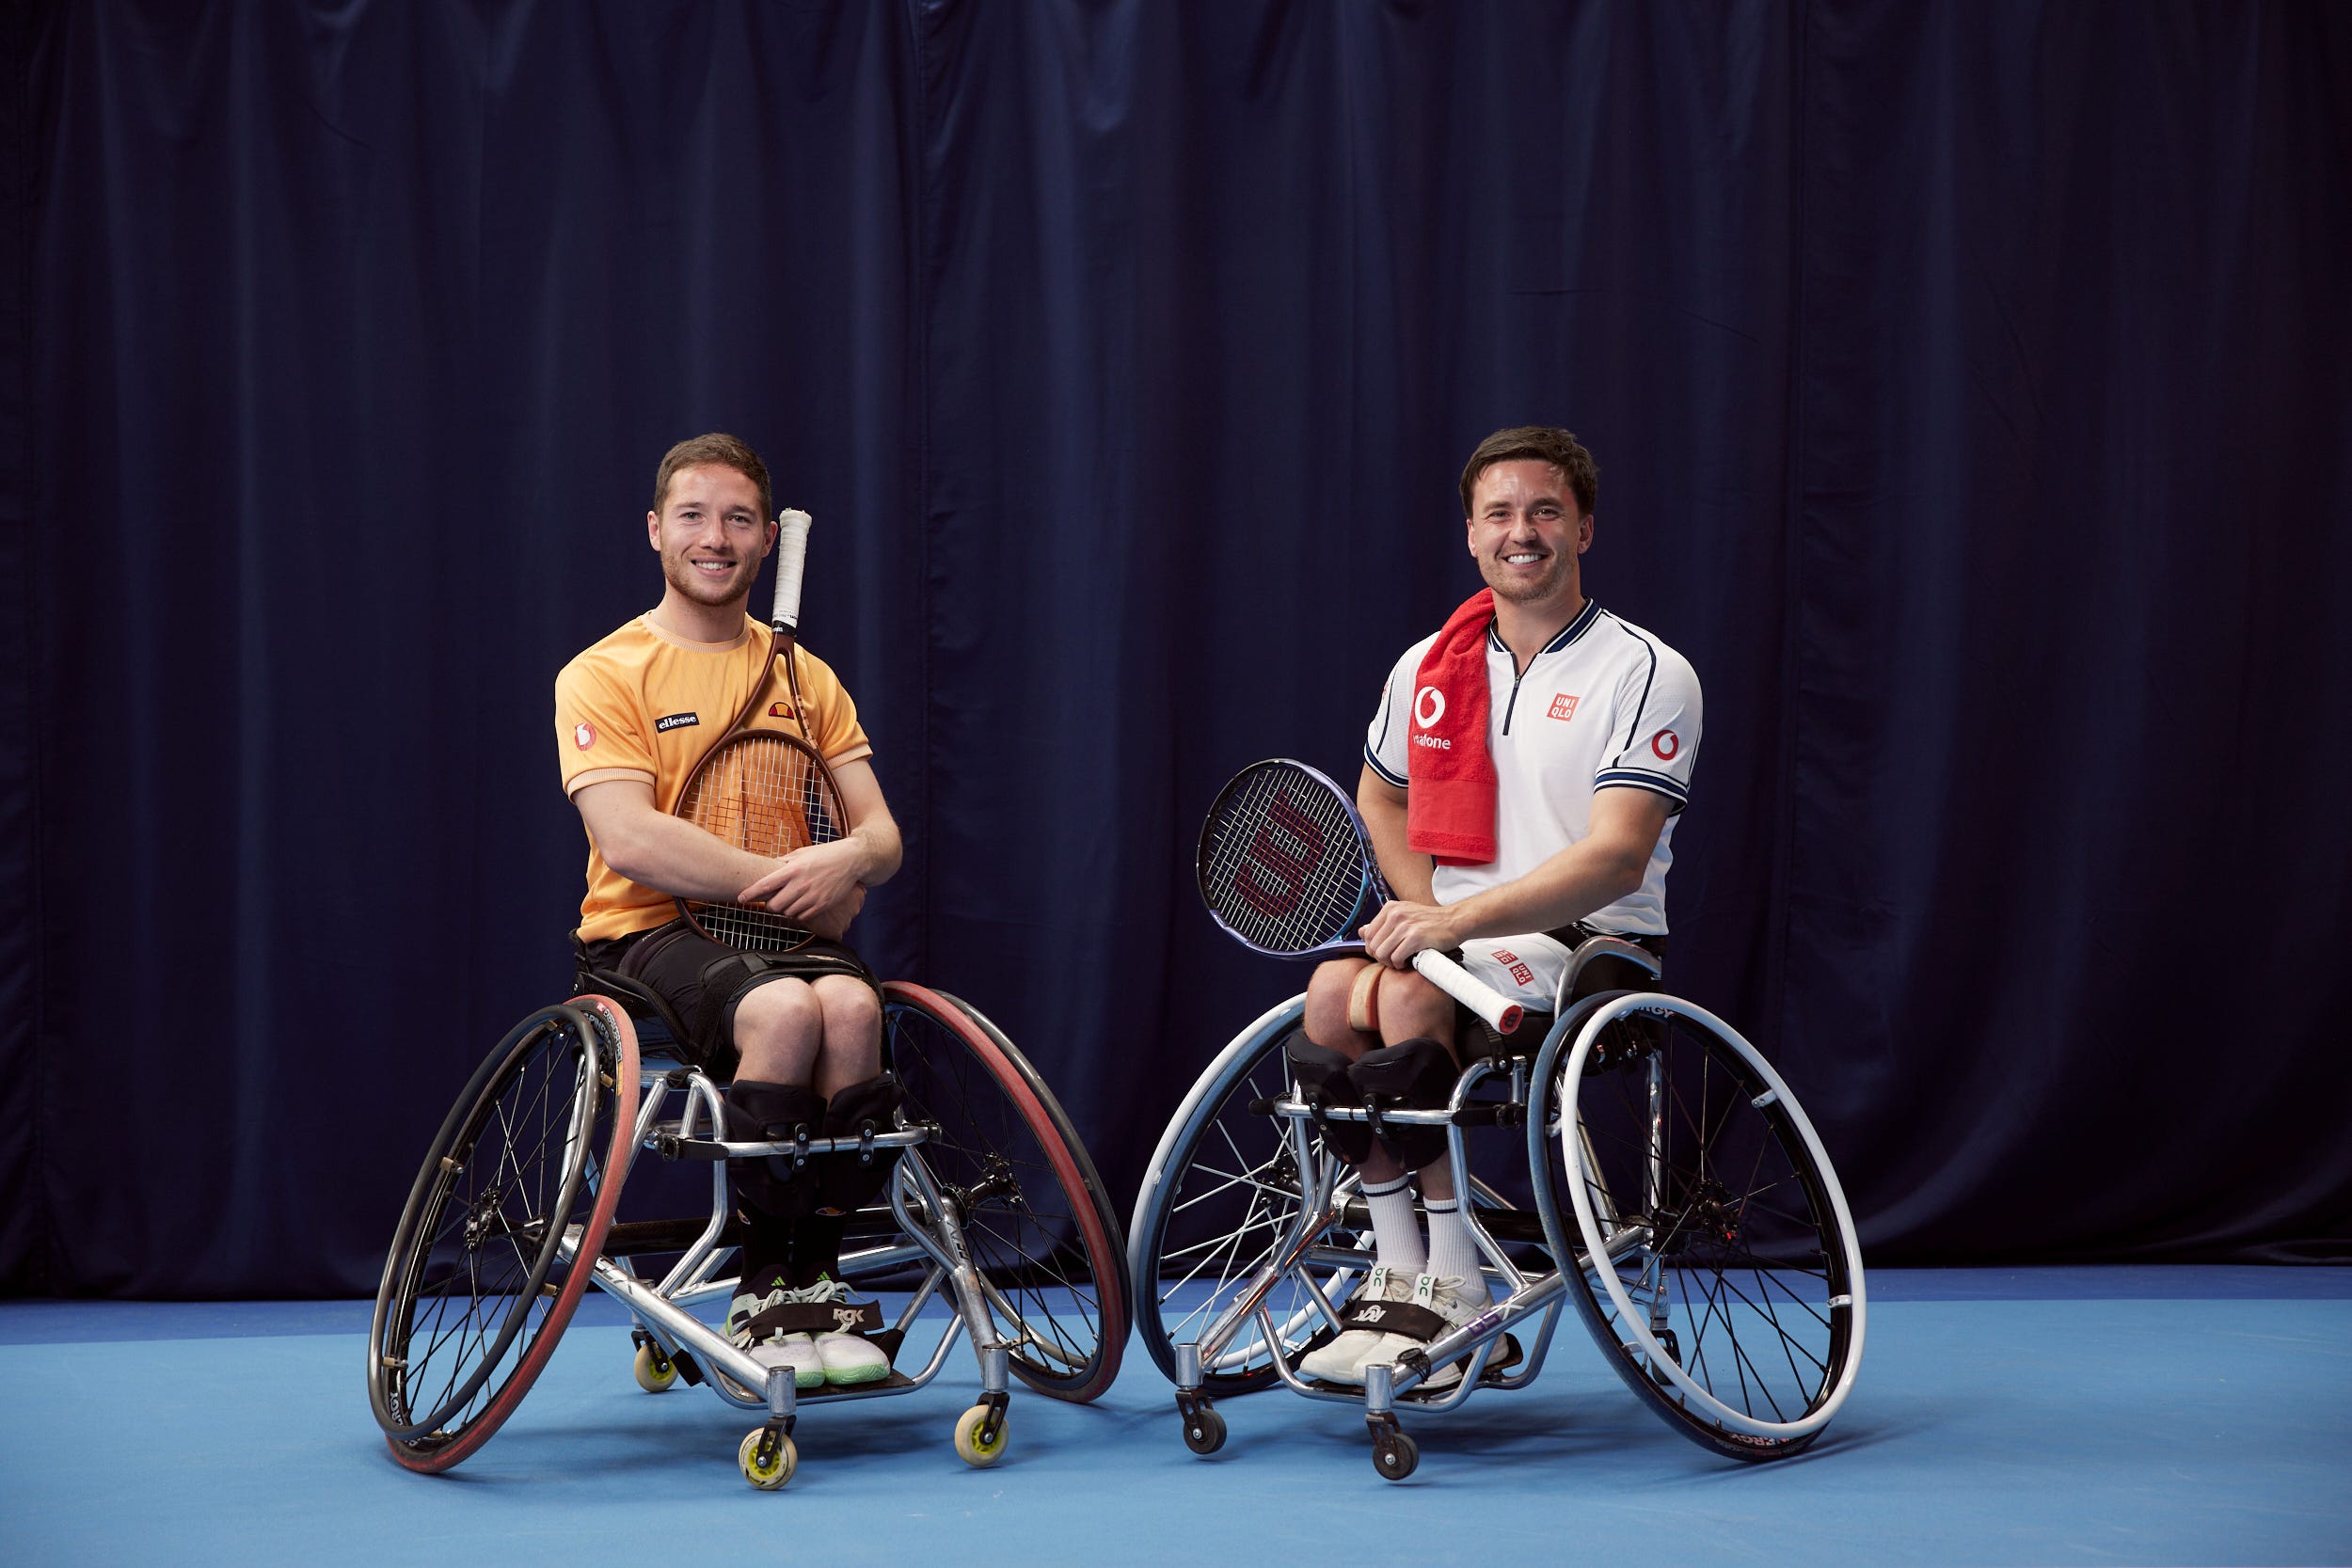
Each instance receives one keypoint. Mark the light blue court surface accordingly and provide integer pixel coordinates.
(2093, 1416)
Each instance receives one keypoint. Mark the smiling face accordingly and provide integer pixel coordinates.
(710, 534)
(1526, 534)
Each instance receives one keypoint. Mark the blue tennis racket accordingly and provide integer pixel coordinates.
(1286, 867)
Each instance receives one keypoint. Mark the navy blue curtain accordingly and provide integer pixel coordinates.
(1969, 386)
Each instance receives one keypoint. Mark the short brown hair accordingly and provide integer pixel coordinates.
(718, 448)
(1559, 447)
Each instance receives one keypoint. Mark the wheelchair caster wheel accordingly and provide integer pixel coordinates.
(776, 1471)
(1204, 1430)
(1395, 1455)
(654, 1372)
(975, 1444)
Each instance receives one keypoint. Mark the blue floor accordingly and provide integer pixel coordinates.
(2096, 1416)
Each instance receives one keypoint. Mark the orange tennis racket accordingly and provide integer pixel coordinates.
(765, 791)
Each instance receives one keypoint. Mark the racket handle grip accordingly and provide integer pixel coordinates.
(792, 556)
(1499, 1010)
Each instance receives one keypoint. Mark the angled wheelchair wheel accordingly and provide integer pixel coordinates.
(1222, 1191)
(1040, 1226)
(520, 1182)
(1719, 1267)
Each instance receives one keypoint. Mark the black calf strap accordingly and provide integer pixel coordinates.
(1324, 1082)
(1411, 1075)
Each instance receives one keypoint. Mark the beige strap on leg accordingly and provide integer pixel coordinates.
(1363, 1001)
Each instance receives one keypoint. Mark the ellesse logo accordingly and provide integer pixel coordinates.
(780, 710)
(675, 722)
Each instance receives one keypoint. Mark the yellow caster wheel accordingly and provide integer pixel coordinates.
(776, 1473)
(654, 1372)
(970, 1446)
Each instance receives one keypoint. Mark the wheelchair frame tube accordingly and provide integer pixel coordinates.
(949, 1252)
(1315, 1215)
(1544, 1294)
(660, 1309)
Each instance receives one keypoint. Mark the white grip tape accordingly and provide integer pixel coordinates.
(792, 556)
(1468, 989)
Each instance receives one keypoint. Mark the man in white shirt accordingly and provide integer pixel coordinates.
(1591, 729)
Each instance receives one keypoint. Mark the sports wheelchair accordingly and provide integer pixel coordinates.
(993, 1207)
(1676, 1197)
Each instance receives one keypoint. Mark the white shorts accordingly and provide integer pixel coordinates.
(1526, 969)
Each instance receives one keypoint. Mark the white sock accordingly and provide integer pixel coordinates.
(1395, 1233)
(1451, 1250)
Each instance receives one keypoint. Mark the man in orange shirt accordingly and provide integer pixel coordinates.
(799, 1034)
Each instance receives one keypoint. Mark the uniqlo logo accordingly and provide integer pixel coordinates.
(1519, 971)
(1564, 706)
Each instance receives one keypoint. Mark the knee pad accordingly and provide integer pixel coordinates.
(846, 1182)
(758, 1111)
(1416, 1075)
(1323, 1082)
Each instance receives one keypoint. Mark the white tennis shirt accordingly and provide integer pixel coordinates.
(1604, 706)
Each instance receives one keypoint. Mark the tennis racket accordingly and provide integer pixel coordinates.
(766, 791)
(1286, 866)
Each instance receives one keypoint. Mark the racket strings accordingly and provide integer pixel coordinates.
(764, 794)
(1284, 866)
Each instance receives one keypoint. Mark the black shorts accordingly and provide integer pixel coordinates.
(703, 980)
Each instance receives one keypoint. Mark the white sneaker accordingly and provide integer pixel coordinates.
(796, 1351)
(1342, 1360)
(846, 1357)
(1449, 1298)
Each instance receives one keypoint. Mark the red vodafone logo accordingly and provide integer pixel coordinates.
(583, 735)
(1428, 706)
(1665, 743)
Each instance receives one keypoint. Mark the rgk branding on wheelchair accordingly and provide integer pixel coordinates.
(1678, 1199)
(992, 1207)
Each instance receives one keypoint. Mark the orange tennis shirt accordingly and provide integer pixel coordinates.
(644, 705)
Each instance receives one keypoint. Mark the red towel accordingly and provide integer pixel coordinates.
(1450, 813)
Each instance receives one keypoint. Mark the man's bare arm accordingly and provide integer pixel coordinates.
(653, 850)
(1605, 866)
(823, 884)
(1382, 806)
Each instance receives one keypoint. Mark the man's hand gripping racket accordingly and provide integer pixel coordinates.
(1287, 868)
(765, 791)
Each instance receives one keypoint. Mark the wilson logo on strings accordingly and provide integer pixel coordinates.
(1274, 875)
